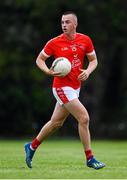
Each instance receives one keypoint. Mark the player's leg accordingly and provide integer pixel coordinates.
(80, 113)
(76, 108)
(58, 117)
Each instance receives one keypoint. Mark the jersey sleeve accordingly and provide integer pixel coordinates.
(48, 49)
(90, 47)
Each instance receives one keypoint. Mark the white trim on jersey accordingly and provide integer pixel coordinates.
(91, 53)
(43, 52)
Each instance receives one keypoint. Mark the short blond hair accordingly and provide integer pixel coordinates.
(71, 12)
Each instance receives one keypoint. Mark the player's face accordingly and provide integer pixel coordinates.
(69, 24)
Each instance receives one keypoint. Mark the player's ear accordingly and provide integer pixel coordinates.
(76, 24)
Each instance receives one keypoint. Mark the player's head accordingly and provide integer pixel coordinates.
(69, 22)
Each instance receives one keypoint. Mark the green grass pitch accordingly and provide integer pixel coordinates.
(63, 159)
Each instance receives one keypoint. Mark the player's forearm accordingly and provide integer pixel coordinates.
(92, 66)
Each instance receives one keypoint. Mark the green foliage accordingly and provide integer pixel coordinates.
(25, 26)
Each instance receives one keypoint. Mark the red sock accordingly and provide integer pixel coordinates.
(88, 154)
(35, 143)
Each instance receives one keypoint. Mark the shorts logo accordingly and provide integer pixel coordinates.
(61, 95)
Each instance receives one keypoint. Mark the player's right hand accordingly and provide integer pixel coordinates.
(51, 72)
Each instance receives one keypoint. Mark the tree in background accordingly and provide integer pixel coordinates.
(25, 100)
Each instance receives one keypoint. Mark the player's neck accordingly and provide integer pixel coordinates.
(71, 36)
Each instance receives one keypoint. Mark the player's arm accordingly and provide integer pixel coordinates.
(40, 61)
(92, 63)
(91, 67)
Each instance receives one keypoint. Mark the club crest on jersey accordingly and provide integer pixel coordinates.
(73, 47)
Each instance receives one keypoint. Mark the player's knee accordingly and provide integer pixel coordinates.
(84, 119)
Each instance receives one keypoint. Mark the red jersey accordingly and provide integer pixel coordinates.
(75, 51)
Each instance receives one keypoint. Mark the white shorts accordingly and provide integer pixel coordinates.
(65, 94)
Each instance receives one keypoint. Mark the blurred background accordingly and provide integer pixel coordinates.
(26, 100)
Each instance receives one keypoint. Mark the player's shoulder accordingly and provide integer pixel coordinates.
(57, 38)
(83, 36)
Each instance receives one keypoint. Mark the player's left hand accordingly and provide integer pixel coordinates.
(84, 75)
